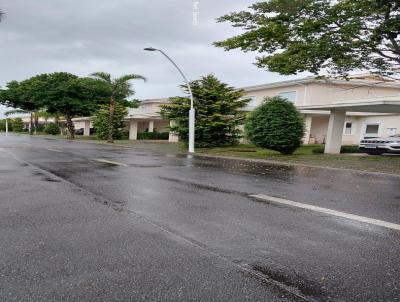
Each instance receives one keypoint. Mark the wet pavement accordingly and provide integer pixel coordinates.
(94, 222)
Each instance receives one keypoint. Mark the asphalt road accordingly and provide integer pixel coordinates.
(87, 222)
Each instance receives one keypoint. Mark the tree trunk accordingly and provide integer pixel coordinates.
(70, 126)
(31, 124)
(111, 121)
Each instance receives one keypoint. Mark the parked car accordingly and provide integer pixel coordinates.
(380, 145)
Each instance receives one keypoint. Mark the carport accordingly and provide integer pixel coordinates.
(337, 115)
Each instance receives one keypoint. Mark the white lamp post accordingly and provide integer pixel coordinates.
(191, 111)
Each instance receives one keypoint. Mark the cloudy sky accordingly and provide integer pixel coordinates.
(83, 36)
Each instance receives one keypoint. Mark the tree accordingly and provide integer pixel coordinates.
(218, 113)
(19, 95)
(320, 35)
(101, 121)
(1, 15)
(119, 89)
(17, 124)
(276, 125)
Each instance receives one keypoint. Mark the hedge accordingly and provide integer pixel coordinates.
(153, 135)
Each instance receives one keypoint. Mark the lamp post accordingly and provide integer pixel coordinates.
(191, 111)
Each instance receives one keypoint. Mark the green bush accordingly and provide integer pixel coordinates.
(154, 135)
(275, 125)
(343, 149)
(101, 122)
(40, 127)
(17, 124)
(52, 129)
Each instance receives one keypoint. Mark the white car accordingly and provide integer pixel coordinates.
(380, 145)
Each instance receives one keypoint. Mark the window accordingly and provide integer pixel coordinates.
(348, 128)
(372, 129)
(289, 95)
(252, 102)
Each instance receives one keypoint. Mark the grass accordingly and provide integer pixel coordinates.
(303, 155)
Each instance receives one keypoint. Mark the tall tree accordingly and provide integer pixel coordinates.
(218, 112)
(59, 93)
(119, 89)
(320, 35)
(18, 95)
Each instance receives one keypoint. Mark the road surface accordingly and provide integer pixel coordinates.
(88, 222)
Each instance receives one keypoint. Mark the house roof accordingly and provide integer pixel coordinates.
(354, 80)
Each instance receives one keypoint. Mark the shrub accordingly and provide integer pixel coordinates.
(17, 124)
(52, 129)
(154, 135)
(40, 127)
(276, 125)
(101, 122)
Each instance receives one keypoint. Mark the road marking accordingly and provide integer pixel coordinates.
(110, 162)
(291, 203)
(55, 150)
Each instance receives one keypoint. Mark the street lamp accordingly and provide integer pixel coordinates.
(191, 111)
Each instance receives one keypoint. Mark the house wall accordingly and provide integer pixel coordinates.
(319, 127)
(326, 93)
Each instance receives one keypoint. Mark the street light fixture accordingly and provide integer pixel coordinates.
(191, 111)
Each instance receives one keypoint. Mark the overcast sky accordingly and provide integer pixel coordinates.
(84, 36)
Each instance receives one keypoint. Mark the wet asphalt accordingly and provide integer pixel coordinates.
(165, 227)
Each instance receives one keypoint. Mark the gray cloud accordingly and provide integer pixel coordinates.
(83, 36)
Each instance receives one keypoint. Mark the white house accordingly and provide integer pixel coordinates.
(336, 111)
(339, 111)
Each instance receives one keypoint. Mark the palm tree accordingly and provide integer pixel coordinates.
(119, 89)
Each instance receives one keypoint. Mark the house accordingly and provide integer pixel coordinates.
(145, 118)
(336, 111)
(339, 111)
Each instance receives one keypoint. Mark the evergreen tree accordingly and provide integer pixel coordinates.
(218, 114)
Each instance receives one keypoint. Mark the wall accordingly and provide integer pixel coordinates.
(326, 93)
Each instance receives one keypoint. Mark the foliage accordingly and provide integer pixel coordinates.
(343, 149)
(316, 35)
(52, 129)
(17, 124)
(40, 127)
(101, 122)
(60, 93)
(217, 112)
(3, 125)
(276, 125)
(118, 90)
(153, 135)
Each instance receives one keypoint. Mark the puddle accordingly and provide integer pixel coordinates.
(307, 287)
(49, 179)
